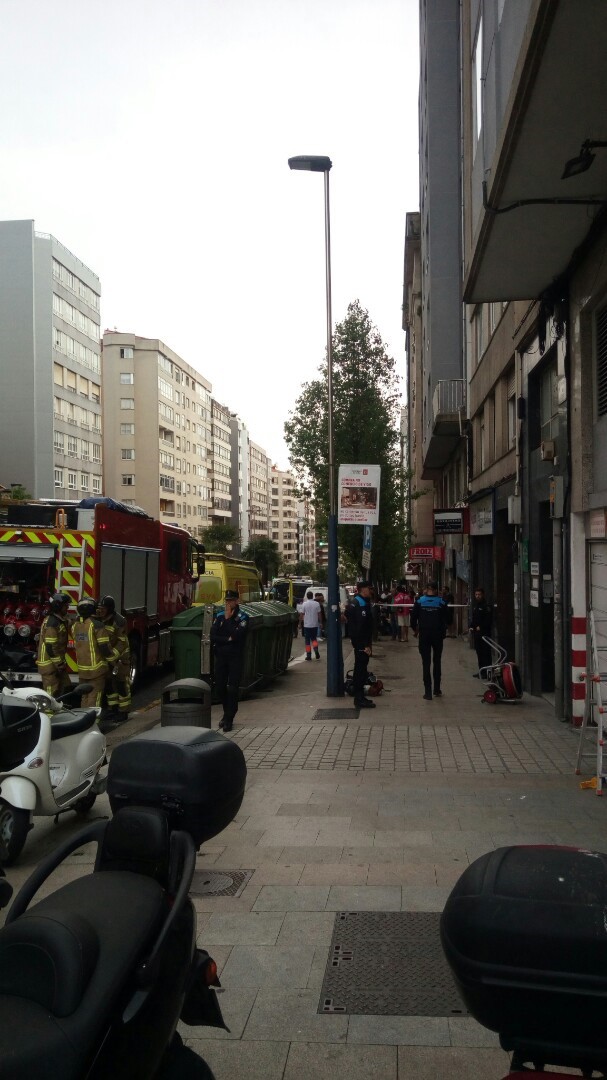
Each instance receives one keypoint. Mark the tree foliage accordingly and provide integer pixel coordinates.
(366, 426)
(217, 537)
(265, 555)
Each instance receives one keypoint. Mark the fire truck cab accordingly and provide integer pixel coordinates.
(93, 548)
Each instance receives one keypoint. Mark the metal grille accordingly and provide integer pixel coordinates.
(219, 882)
(601, 362)
(388, 963)
(335, 714)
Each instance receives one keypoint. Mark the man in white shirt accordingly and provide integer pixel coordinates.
(309, 619)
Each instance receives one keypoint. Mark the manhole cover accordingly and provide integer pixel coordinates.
(335, 714)
(219, 882)
(386, 963)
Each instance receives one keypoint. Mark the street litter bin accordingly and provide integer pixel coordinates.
(186, 702)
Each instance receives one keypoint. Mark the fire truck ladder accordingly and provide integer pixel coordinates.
(594, 724)
(70, 574)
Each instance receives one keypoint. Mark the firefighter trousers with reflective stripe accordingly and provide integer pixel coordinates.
(94, 698)
(55, 682)
(118, 687)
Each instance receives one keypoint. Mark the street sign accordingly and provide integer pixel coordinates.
(367, 537)
(366, 559)
(358, 494)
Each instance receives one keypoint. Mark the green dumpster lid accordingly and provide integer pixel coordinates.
(189, 618)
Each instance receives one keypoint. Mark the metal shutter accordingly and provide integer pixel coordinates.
(601, 363)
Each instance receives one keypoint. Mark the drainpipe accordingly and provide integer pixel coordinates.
(557, 579)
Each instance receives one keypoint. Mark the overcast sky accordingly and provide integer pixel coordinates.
(151, 138)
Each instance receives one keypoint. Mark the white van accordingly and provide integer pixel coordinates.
(343, 600)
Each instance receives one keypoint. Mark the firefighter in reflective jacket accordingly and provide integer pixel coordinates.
(52, 647)
(228, 634)
(93, 651)
(118, 685)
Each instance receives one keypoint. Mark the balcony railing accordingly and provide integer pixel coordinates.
(449, 398)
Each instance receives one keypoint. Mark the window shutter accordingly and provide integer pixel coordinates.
(601, 363)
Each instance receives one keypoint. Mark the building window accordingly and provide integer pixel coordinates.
(127, 429)
(127, 403)
(85, 450)
(84, 481)
(72, 446)
(97, 453)
(511, 393)
(549, 419)
(59, 441)
(71, 480)
(96, 485)
(127, 378)
(127, 455)
(128, 479)
(126, 353)
(59, 478)
(477, 81)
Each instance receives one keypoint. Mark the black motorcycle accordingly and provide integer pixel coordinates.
(95, 977)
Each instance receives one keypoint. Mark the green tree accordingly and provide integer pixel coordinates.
(265, 555)
(217, 537)
(366, 422)
(19, 493)
(303, 568)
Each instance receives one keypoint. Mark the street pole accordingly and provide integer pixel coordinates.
(335, 662)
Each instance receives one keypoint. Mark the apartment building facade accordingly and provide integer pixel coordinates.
(259, 488)
(239, 480)
(221, 465)
(49, 353)
(283, 515)
(157, 431)
(306, 532)
(533, 169)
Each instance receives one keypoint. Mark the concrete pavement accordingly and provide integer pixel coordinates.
(376, 812)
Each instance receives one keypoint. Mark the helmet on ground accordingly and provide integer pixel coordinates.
(86, 607)
(108, 602)
(59, 600)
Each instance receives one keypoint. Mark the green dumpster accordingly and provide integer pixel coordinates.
(186, 640)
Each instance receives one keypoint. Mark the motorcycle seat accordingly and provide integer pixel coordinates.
(72, 723)
(103, 926)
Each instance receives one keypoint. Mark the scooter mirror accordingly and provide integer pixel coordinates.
(76, 692)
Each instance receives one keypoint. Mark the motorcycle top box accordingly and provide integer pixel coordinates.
(197, 777)
(524, 933)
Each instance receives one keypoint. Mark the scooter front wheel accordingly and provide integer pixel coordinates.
(14, 827)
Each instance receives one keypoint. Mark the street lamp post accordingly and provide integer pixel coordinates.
(335, 662)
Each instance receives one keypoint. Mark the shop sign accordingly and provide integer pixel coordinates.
(449, 521)
(481, 516)
(358, 491)
(597, 525)
(426, 552)
(534, 598)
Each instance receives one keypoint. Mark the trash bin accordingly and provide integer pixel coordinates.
(186, 702)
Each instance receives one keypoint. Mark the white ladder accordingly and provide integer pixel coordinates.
(595, 710)
(70, 577)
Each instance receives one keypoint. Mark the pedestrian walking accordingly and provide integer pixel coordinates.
(360, 628)
(480, 626)
(52, 647)
(322, 624)
(118, 685)
(309, 620)
(228, 634)
(400, 599)
(94, 654)
(428, 622)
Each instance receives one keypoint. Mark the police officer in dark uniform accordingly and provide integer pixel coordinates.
(480, 627)
(360, 628)
(429, 624)
(228, 634)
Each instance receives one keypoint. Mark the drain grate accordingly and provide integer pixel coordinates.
(335, 714)
(388, 963)
(219, 882)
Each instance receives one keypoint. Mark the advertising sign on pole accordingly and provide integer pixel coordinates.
(358, 494)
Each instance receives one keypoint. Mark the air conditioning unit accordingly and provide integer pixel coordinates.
(547, 450)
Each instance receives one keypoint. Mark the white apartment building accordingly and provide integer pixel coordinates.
(306, 534)
(239, 445)
(221, 510)
(49, 353)
(157, 431)
(259, 486)
(283, 515)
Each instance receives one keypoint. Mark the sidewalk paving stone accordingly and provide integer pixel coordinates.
(292, 898)
(253, 1060)
(291, 1014)
(308, 1061)
(364, 898)
(255, 928)
(307, 927)
(434, 1063)
(408, 1030)
(269, 966)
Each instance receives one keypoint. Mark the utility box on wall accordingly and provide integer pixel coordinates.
(514, 509)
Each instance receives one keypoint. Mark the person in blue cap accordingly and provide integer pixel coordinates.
(360, 628)
(429, 624)
(228, 634)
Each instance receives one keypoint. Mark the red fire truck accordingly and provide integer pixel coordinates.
(93, 548)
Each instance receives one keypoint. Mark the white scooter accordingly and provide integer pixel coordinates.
(51, 759)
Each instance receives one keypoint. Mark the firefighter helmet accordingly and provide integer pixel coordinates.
(108, 602)
(59, 600)
(86, 607)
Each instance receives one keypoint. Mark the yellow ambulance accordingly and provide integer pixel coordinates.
(222, 572)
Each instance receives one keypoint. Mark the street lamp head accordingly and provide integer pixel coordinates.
(580, 164)
(310, 163)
